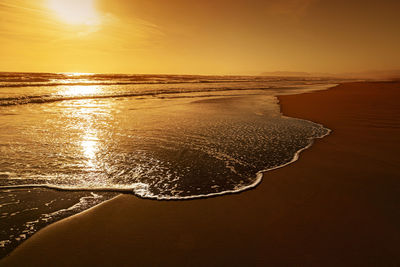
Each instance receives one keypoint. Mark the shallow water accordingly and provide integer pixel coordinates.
(160, 137)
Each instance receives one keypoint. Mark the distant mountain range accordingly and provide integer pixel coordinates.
(390, 74)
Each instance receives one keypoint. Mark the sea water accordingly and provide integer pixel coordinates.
(71, 141)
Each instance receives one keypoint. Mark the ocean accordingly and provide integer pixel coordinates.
(69, 141)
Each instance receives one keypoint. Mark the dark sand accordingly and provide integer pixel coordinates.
(338, 205)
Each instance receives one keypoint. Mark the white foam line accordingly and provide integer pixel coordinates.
(66, 188)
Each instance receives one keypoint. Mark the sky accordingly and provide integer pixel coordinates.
(199, 37)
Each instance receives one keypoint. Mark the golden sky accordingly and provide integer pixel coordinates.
(199, 37)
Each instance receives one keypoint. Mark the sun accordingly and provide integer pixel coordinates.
(75, 12)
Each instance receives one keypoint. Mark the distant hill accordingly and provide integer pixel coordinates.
(295, 74)
(388, 74)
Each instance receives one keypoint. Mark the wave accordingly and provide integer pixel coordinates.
(60, 79)
(40, 99)
(110, 83)
(141, 190)
(47, 83)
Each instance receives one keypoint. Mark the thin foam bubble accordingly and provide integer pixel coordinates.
(4, 243)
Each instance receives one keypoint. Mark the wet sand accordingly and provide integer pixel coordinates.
(339, 204)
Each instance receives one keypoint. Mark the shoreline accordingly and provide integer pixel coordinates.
(268, 226)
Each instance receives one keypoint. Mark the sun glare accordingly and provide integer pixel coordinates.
(75, 12)
(78, 90)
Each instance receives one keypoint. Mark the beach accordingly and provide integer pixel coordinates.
(337, 205)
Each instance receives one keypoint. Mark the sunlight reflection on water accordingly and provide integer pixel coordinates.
(83, 90)
(90, 148)
(87, 118)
